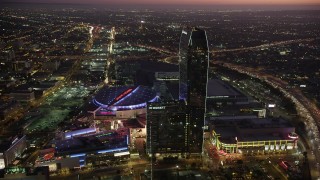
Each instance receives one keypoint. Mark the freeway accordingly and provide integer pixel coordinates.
(259, 47)
(263, 46)
(160, 50)
(173, 55)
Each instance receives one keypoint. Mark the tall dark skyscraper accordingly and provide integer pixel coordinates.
(194, 63)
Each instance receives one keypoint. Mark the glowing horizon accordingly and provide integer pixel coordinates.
(176, 2)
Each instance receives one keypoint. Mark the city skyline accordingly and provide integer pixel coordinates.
(128, 91)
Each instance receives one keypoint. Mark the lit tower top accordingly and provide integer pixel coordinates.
(193, 64)
(113, 33)
(141, 25)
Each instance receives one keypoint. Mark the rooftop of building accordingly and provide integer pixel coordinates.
(41, 74)
(6, 82)
(92, 142)
(240, 109)
(218, 88)
(5, 144)
(23, 88)
(198, 39)
(42, 86)
(249, 122)
(124, 95)
(248, 128)
(132, 123)
(7, 104)
(229, 135)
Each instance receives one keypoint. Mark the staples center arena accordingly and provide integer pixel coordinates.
(122, 101)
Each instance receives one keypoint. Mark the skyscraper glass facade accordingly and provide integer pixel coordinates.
(194, 63)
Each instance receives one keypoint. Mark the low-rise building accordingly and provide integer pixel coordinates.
(242, 134)
(11, 149)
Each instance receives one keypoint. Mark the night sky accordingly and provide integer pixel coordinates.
(184, 2)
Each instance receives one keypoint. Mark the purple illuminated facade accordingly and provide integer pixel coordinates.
(79, 132)
(84, 143)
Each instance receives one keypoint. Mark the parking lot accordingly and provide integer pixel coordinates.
(57, 108)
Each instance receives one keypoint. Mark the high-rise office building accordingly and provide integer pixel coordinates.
(166, 124)
(194, 63)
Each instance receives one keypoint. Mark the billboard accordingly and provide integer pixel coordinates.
(2, 165)
(271, 105)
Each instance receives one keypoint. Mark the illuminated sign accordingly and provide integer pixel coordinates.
(284, 164)
(78, 155)
(216, 97)
(292, 135)
(271, 105)
(123, 94)
(112, 150)
(122, 153)
(68, 135)
(157, 107)
(15, 140)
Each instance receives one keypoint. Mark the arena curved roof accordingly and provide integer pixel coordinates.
(124, 97)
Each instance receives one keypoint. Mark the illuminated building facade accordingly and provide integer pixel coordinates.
(251, 135)
(88, 142)
(122, 101)
(194, 63)
(166, 124)
(80, 132)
